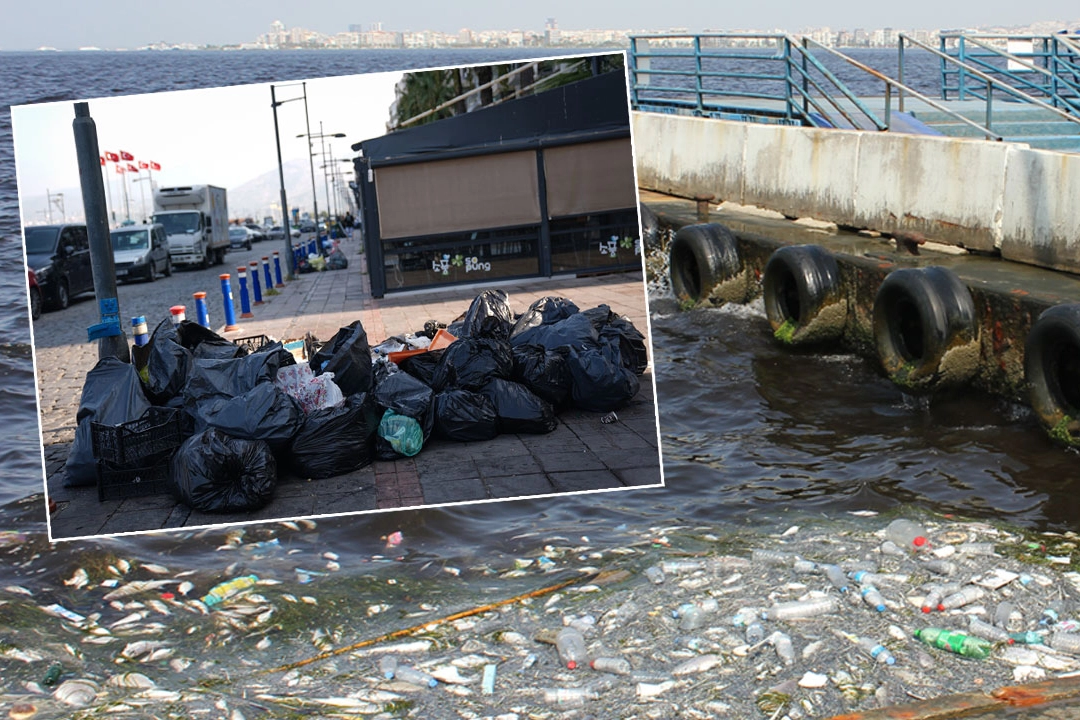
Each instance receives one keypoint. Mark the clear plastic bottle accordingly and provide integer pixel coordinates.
(965, 596)
(690, 616)
(955, 641)
(681, 567)
(771, 557)
(695, 665)
(1027, 637)
(744, 616)
(387, 666)
(1008, 617)
(1065, 642)
(801, 609)
(755, 632)
(986, 631)
(941, 567)
(872, 597)
(655, 575)
(803, 567)
(907, 534)
(934, 596)
(875, 650)
(570, 644)
(835, 575)
(784, 649)
(570, 697)
(890, 548)
(976, 548)
(404, 673)
(615, 666)
(865, 577)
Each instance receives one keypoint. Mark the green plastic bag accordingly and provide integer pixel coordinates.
(402, 432)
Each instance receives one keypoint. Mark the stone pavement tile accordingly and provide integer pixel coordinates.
(356, 501)
(520, 464)
(291, 487)
(66, 525)
(454, 469)
(639, 475)
(437, 491)
(280, 509)
(177, 517)
(349, 482)
(624, 461)
(150, 502)
(571, 461)
(518, 485)
(584, 480)
(141, 520)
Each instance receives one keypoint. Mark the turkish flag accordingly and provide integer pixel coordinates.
(154, 165)
(102, 159)
(120, 169)
(126, 155)
(143, 165)
(132, 168)
(112, 157)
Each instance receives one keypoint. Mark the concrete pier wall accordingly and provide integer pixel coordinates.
(980, 195)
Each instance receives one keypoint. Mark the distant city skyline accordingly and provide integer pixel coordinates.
(69, 25)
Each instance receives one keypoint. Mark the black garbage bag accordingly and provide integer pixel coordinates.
(213, 472)
(545, 311)
(422, 366)
(235, 376)
(543, 371)
(168, 363)
(205, 343)
(621, 333)
(262, 413)
(471, 362)
(465, 416)
(489, 316)
(600, 383)
(576, 331)
(336, 440)
(337, 260)
(112, 394)
(348, 356)
(518, 409)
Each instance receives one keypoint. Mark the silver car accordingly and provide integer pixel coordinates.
(141, 252)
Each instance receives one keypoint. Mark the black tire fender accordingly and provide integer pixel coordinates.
(1052, 370)
(802, 294)
(704, 265)
(925, 329)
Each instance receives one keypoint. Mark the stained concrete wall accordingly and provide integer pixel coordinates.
(972, 193)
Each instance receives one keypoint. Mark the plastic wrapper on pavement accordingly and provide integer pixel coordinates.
(213, 472)
(401, 433)
(471, 362)
(348, 356)
(313, 393)
(336, 440)
(601, 384)
(545, 311)
(518, 409)
(112, 394)
(465, 416)
(262, 413)
(489, 316)
(422, 366)
(543, 371)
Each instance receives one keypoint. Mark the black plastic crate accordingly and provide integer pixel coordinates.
(123, 483)
(138, 442)
(253, 343)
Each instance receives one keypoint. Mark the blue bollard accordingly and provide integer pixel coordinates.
(255, 289)
(226, 294)
(266, 272)
(202, 315)
(138, 329)
(296, 255)
(245, 306)
(277, 270)
(313, 247)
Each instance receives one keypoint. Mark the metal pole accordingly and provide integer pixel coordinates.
(311, 162)
(142, 192)
(326, 185)
(48, 205)
(112, 342)
(290, 267)
(108, 189)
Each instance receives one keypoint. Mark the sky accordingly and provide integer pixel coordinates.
(220, 136)
(69, 24)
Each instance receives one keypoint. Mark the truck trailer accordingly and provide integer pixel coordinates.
(196, 219)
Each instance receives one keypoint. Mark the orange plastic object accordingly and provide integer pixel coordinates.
(441, 340)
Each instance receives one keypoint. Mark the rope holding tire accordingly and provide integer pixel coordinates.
(925, 329)
(803, 298)
(1052, 370)
(704, 265)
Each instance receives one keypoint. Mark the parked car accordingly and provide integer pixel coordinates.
(306, 226)
(140, 251)
(278, 233)
(59, 255)
(257, 233)
(240, 237)
(35, 295)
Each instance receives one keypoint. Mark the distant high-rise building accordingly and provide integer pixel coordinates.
(356, 28)
(551, 24)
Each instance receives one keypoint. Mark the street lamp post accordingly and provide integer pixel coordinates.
(274, 103)
(311, 155)
(142, 192)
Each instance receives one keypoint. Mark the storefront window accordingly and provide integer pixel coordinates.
(461, 257)
(599, 241)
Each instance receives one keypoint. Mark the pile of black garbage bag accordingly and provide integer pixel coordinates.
(502, 375)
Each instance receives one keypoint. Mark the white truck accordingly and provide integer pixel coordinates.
(196, 219)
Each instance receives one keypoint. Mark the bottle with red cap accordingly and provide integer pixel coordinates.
(907, 534)
(570, 644)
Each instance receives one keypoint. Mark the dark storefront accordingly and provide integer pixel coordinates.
(531, 187)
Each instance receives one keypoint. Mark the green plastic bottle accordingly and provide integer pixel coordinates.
(224, 590)
(957, 642)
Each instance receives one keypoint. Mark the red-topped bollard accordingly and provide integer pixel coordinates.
(178, 313)
(226, 294)
(202, 314)
(245, 306)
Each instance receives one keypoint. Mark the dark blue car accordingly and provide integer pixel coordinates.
(59, 255)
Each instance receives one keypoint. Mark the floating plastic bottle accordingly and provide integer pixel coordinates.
(804, 567)
(907, 534)
(890, 548)
(755, 633)
(1008, 617)
(941, 567)
(693, 615)
(681, 567)
(570, 644)
(744, 616)
(986, 631)
(1065, 642)
(616, 666)
(872, 597)
(388, 666)
(875, 650)
(410, 675)
(570, 697)
(1027, 637)
(224, 590)
(771, 557)
(955, 641)
(655, 574)
(864, 577)
(965, 596)
(801, 609)
(934, 595)
(976, 548)
(784, 649)
(835, 575)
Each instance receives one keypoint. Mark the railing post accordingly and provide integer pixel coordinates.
(697, 74)
(989, 103)
(888, 106)
(806, 79)
(962, 71)
(900, 68)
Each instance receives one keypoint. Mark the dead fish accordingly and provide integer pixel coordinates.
(132, 618)
(263, 644)
(79, 580)
(26, 656)
(18, 590)
(139, 648)
(22, 711)
(309, 600)
(135, 587)
(360, 706)
(160, 654)
(159, 607)
(179, 664)
(155, 568)
(131, 680)
(291, 525)
(185, 587)
(308, 524)
(451, 675)
(77, 693)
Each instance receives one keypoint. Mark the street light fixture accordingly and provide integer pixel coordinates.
(274, 103)
(321, 135)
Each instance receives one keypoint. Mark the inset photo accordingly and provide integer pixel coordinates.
(339, 295)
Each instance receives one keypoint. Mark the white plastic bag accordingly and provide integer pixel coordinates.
(313, 393)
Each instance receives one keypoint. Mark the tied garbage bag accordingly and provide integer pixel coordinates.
(545, 372)
(422, 366)
(336, 440)
(347, 356)
(213, 472)
(617, 333)
(234, 377)
(205, 343)
(112, 394)
(402, 433)
(471, 362)
(576, 331)
(313, 393)
(600, 384)
(337, 260)
(519, 410)
(262, 413)
(489, 316)
(545, 311)
(166, 361)
(465, 416)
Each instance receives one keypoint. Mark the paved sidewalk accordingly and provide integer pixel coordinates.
(581, 454)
